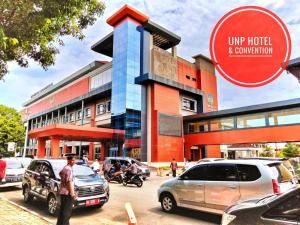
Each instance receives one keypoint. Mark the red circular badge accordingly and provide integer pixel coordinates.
(250, 46)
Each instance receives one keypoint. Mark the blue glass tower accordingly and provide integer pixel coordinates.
(126, 95)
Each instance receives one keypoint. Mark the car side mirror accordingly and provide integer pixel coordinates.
(45, 174)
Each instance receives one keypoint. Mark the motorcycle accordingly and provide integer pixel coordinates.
(114, 176)
(136, 179)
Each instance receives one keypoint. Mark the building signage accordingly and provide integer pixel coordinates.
(250, 46)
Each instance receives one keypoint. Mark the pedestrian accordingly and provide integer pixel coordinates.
(96, 165)
(173, 167)
(3, 166)
(67, 192)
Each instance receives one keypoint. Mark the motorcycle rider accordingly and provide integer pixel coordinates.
(132, 170)
(114, 170)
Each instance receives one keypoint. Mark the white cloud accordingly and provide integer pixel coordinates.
(192, 20)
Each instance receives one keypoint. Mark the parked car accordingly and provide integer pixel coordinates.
(213, 186)
(191, 164)
(14, 173)
(271, 209)
(25, 161)
(125, 162)
(79, 161)
(41, 180)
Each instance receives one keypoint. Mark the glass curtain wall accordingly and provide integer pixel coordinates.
(126, 95)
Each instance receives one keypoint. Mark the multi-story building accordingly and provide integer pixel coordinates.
(132, 105)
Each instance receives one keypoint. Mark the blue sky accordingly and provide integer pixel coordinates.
(192, 20)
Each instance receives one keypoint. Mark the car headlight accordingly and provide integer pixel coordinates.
(227, 218)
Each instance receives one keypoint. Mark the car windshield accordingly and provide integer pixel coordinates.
(25, 161)
(78, 170)
(13, 164)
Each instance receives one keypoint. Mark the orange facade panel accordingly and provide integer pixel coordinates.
(166, 99)
(188, 74)
(127, 11)
(76, 90)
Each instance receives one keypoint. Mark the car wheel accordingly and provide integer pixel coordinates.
(139, 183)
(144, 178)
(52, 204)
(27, 196)
(168, 203)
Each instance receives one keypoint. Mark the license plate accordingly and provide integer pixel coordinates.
(92, 202)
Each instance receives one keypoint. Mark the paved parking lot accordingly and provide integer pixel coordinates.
(143, 200)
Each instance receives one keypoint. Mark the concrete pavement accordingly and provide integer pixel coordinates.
(143, 200)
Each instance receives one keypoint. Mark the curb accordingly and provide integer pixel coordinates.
(27, 210)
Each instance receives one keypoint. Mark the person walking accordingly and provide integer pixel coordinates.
(96, 165)
(173, 167)
(3, 166)
(67, 192)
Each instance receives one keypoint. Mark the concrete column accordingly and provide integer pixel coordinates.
(55, 147)
(149, 125)
(91, 151)
(65, 149)
(104, 150)
(93, 115)
(41, 148)
(174, 51)
(188, 151)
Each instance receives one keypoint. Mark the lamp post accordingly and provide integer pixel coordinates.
(26, 134)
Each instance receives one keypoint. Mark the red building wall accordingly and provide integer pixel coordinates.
(67, 94)
(165, 100)
(184, 69)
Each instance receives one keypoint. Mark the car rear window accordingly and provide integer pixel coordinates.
(280, 172)
(248, 172)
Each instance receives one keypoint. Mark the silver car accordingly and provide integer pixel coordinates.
(213, 186)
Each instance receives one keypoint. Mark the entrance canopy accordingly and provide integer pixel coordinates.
(76, 133)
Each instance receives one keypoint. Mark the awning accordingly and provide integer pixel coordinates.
(76, 133)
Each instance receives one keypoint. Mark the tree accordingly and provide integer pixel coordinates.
(291, 150)
(267, 152)
(11, 128)
(34, 28)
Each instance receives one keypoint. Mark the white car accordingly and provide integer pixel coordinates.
(14, 173)
(213, 186)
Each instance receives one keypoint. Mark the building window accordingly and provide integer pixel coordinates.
(198, 127)
(101, 79)
(71, 117)
(247, 121)
(87, 112)
(188, 77)
(100, 109)
(291, 116)
(189, 104)
(78, 115)
(108, 105)
(194, 79)
(222, 124)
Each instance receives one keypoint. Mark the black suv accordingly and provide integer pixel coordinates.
(41, 180)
